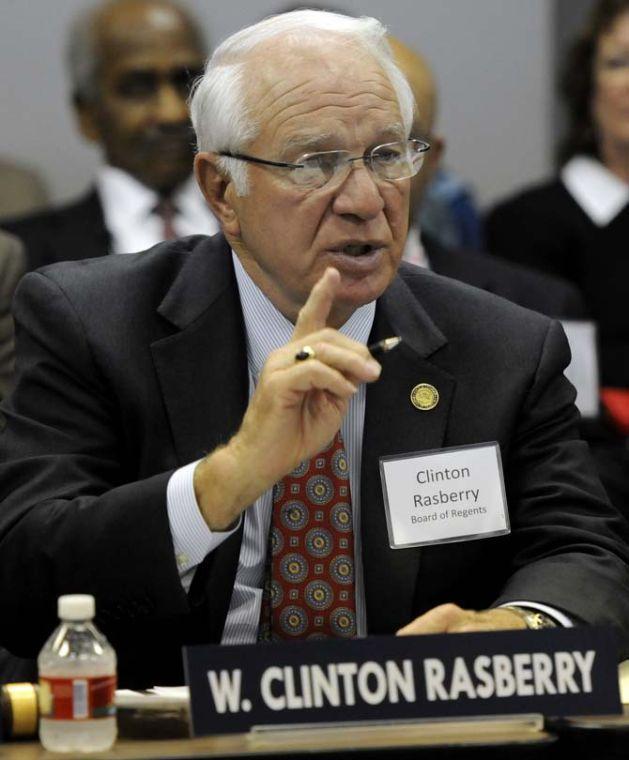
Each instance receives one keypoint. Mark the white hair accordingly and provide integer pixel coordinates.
(221, 115)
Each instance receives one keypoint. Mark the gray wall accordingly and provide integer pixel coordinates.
(492, 59)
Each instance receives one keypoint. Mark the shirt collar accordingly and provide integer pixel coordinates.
(598, 192)
(125, 199)
(267, 328)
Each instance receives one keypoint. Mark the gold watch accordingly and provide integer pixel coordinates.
(533, 619)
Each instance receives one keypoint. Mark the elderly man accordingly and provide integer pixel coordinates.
(131, 63)
(196, 432)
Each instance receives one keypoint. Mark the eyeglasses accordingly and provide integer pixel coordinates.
(390, 161)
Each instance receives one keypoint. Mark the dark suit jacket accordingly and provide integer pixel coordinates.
(67, 233)
(549, 295)
(135, 365)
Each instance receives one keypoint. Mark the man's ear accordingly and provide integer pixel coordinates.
(87, 119)
(218, 190)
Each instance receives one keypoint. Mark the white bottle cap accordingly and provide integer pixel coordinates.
(76, 607)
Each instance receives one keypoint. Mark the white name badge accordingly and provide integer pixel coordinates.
(444, 495)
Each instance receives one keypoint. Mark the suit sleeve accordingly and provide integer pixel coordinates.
(570, 546)
(73, 518)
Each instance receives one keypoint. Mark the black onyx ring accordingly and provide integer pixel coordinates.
(306, 352)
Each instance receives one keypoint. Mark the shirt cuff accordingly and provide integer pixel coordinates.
(192, 538)
(558, 617)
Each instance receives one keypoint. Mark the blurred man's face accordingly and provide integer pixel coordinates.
(140, 116)
(309, 101)
(421, 80)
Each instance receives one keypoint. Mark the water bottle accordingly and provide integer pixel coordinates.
(77, 682)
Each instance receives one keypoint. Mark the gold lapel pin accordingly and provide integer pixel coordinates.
(424, 397)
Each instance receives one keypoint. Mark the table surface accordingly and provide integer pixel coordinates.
(388, 740)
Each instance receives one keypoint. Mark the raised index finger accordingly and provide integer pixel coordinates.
(314, 314)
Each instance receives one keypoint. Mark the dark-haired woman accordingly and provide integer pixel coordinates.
(577, 226)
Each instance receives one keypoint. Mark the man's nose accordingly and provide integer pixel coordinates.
(359, 194)
(170, 105)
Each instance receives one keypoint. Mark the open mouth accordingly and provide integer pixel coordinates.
(357, 249)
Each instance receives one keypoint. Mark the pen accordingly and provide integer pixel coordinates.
(384, 346)
(375, 349)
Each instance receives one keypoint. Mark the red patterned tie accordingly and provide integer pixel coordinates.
(311, 592)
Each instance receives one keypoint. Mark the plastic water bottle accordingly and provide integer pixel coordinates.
(77, 682)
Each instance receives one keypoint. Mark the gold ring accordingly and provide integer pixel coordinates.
(306, 352)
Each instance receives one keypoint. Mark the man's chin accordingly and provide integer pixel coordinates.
(352, 296)
(357, 291)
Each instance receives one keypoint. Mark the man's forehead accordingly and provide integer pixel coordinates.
(145, 31)
(321, 81)
(285, 63)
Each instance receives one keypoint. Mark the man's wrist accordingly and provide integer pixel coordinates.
(224, 486)
(533, 619)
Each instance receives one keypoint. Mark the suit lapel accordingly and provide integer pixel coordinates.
(202, 371)
(202, 368)
(394, 426)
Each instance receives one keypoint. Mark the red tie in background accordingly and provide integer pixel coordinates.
(310, 589)
(166, 210)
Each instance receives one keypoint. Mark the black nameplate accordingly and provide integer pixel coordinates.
(558, 672)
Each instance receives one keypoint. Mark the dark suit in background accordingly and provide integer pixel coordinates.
(522, 285)
(67, 233)
(12, 267)
(157, 376)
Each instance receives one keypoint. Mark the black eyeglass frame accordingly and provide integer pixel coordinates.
(366, 157)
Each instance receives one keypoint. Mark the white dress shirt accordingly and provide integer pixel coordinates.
(130, 216)
(267, 330)
(599, 192)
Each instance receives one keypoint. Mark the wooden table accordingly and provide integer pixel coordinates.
(519, 738)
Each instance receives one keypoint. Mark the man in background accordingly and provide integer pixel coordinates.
(548, 295)
(131, 63)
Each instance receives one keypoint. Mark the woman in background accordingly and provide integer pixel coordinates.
(577, 225)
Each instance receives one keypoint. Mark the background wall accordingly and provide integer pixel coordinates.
(493, 60)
